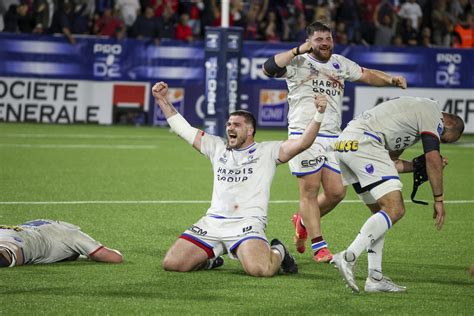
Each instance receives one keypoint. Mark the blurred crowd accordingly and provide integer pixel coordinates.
(429, 23)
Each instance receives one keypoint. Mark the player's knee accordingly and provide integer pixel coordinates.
(400, 212)
(336, 195)
(395, 213)
(175, 265)
(309, 192)
(170, 264)
(259, 270)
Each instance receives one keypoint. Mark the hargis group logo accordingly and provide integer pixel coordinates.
(107, 60)
(448, 69)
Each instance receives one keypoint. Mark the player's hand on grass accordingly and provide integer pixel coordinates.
(444, 160)
(321, 102)
(160, 90)
(438, 214)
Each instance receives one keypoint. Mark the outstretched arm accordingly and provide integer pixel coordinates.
(379, 78)
(105, 254)
(293, 147)
(406, 166)
(176, 121)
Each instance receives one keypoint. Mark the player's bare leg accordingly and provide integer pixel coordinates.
(184, 256)
(260, 260)
(391, 210)
(309, 186)
(334, 191)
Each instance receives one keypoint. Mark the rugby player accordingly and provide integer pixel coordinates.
(236, 221)
(310, 69)
(368, 153)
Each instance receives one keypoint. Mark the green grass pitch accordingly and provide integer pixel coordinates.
(116, 178)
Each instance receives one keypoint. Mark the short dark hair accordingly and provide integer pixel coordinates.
(249, 118)
(317, 26)
(4, 260)
(457, 124)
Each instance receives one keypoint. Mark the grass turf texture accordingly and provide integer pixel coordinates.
(54, 163)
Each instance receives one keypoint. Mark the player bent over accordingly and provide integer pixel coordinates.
(236, 221)
(364, 151)
(48, 241)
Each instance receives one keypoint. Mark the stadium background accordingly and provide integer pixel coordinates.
(106, 78)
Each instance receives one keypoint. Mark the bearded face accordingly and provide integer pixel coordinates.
(322, 44)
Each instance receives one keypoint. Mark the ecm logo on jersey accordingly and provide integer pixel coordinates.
(176, 97)
(272, 107)
(106, 60)
(448, 69)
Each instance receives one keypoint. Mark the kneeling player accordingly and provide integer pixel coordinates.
(243, 171)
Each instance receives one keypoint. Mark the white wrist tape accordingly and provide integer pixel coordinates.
(318, 117)
(181, 127)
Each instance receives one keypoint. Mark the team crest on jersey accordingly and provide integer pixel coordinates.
(370, 168)
(336, 65)
(313, 70)
(250, 160)
(223, 159)
(440, 129)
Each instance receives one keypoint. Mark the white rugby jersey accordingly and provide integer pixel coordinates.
(47, 241)
(242, 177)
(306, 77)
(400, 122)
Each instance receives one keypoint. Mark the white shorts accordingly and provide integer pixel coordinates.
(319, 155)
(217, 235)
(363, 159)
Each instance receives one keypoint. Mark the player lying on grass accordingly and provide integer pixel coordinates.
(236, 221)
(365, 150)
(48, 241)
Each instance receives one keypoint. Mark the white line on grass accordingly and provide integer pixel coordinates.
(80, 146)
(83, 136)
(178, 202)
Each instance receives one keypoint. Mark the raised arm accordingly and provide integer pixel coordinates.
(379, 78)
(176, 121)
(293, 147)
(275, 65)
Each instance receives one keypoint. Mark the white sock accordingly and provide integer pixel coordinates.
(373, 229)
(374, 258)
(279, 249)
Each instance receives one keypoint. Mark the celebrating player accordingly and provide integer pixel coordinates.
(48, 241)
(243, 170)
(310, 69)
(365, 150)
